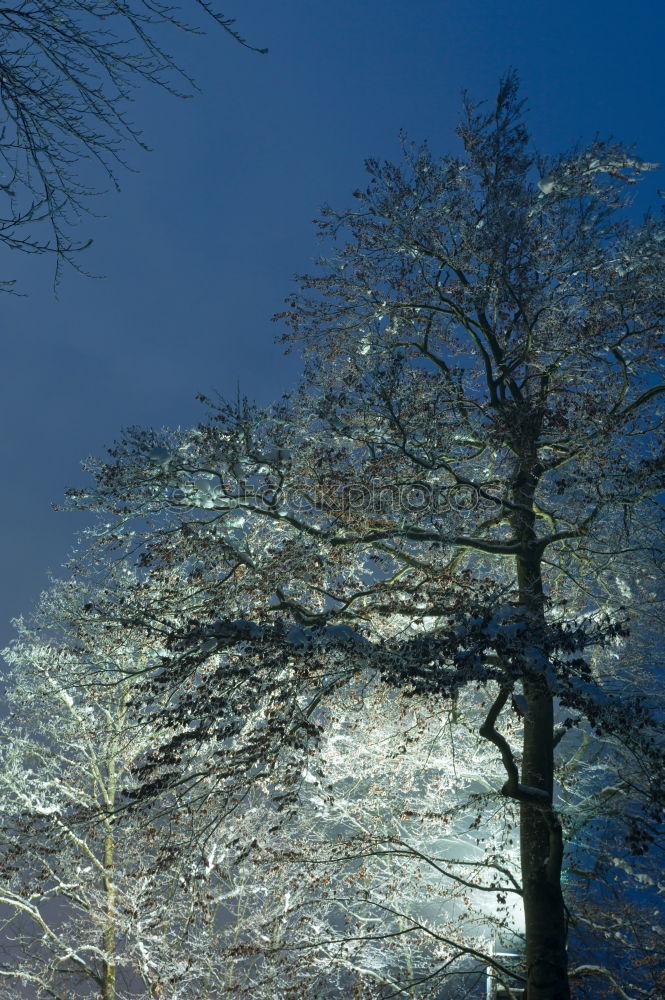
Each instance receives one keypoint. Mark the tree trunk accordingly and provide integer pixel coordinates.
(108, 968)
(109, 936)
(541, 843)
(541, 849)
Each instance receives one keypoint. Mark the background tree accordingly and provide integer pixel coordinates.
(68, 72)
(467, 483)
(384, 879)
(99, 899)
(95, 899)
(615, 885)
(410, 861)
(399, 889)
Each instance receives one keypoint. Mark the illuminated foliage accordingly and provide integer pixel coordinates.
(463, 498)
(95, 899)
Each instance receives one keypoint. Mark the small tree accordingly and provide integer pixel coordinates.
(467, 483)
(96, 899)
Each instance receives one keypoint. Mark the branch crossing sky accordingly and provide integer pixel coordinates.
(198, 250)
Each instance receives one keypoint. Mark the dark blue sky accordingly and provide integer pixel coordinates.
(199, 249)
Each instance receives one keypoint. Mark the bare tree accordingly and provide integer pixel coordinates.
(397, 870)
(97, 900)
(410, 874)
(399, 890)
(68, 72)
(465, 492)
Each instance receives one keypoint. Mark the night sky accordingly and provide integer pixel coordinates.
(199, 249)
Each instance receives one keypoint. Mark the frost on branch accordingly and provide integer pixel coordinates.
(469, 480)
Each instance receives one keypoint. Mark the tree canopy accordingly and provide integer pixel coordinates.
(464, 497)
